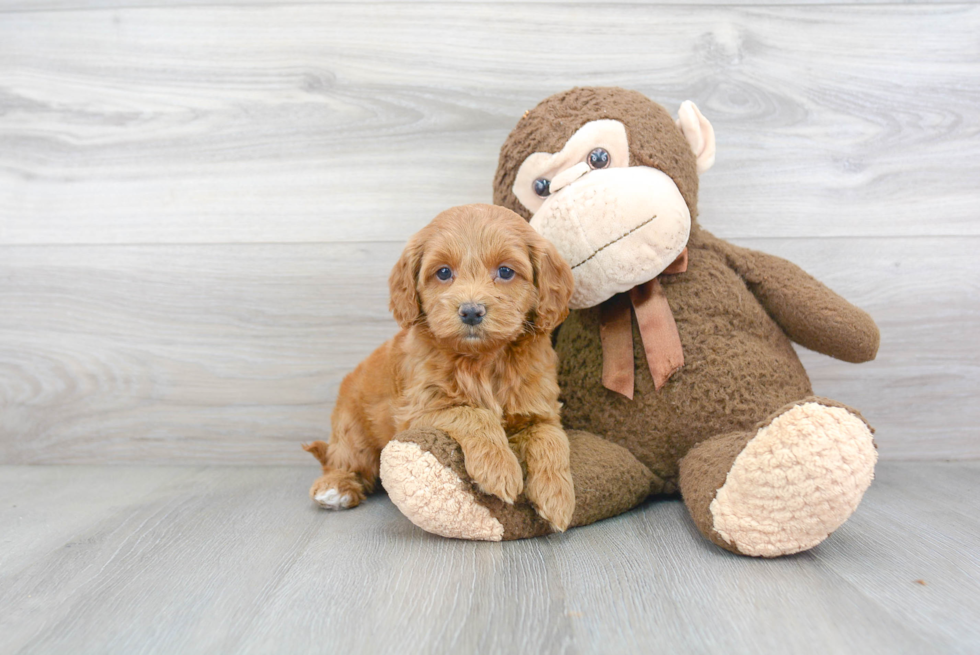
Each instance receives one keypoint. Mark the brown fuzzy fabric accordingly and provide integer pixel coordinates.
(739, 367)
(703, 472)
(736, 310)
(808, 312)
(608, 481)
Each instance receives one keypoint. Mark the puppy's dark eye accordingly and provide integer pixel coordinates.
(542, 187)
(444, 273)
(598, 158)
(505, 273)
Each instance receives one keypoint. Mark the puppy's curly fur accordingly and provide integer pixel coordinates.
(477, 294)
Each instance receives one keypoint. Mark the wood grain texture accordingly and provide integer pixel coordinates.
(238, 560)
(199, 204)
(359, 121)
(182, 353)
(919, 524)
(233, 354)
(39, 513)
(35, 6)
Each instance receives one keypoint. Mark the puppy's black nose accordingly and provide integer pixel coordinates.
(471, 313)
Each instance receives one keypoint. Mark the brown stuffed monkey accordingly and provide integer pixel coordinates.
(676, 364)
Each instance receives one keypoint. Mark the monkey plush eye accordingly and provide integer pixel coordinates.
(542, 187)
(505, 273)
(444, 273)
(598, 158)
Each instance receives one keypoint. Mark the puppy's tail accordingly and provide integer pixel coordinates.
(319, 450)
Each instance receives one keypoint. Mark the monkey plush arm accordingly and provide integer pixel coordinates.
(808, 312)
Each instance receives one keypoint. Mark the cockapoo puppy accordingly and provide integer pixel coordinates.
(477, 293)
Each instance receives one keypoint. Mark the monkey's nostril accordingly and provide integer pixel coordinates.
(472, 313)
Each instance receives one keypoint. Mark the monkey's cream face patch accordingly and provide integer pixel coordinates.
(617, 226)
(605, 134)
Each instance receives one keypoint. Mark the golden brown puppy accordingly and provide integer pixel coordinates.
(477, 293)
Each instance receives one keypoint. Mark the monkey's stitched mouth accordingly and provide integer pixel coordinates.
(617, 239)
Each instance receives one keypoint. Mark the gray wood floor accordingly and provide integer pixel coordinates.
(226, 559)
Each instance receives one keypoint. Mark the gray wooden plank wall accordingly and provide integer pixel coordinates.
(199, 204)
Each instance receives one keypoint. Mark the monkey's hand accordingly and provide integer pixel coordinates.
(808, 312)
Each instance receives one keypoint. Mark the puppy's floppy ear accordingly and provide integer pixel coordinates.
(403, 285)
(553, 278)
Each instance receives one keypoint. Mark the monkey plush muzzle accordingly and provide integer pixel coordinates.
(617, 228)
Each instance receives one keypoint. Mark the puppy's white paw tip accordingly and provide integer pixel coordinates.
(332, 499)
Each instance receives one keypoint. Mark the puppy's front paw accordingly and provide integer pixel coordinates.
(553, 495)
(496, 471)
(337, 490)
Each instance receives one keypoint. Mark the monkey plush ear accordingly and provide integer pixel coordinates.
(699, 133)
(553, 278)
(403, 285)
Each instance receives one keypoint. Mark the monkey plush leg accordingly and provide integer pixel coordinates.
(784, 487)
(425, 476)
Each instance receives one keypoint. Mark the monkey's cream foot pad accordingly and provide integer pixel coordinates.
(425, 476)
(432, 496)
(796, 481)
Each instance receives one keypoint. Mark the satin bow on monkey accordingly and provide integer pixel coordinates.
(658, 331)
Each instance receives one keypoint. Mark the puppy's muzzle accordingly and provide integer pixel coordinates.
(472, 313)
